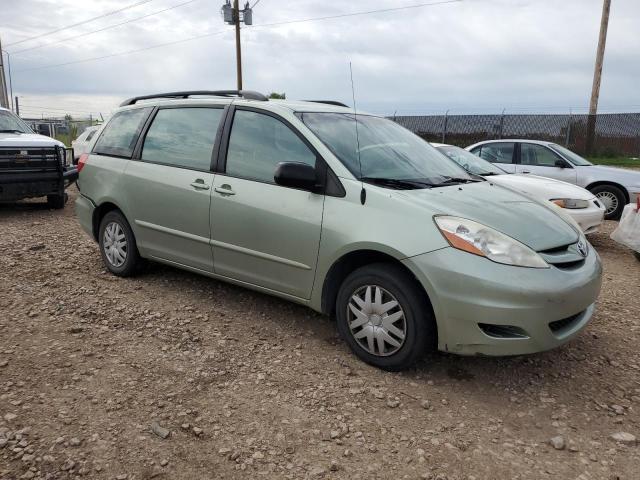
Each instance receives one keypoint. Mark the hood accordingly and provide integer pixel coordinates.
(27, 140)
(529, 222)
(542, 188)
(622, 175)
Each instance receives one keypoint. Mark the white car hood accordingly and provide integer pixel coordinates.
(541, 188)
(27, 140)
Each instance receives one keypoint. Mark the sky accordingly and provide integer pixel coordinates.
(469, 56)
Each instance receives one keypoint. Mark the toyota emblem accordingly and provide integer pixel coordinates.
(582, 248)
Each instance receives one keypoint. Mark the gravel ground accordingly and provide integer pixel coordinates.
(171, 375)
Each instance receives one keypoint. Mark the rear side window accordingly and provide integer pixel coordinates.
(90, 136)
(182, 137)
(497, 152)
(258, 143)
(121, 133)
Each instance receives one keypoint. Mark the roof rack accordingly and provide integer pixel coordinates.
(329, 102)
(247, 94)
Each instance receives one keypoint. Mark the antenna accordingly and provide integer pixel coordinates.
(363, 192)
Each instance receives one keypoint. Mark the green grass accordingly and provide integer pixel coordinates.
(616, 161)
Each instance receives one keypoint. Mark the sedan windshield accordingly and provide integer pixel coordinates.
(10, 123)
(383, 152)
(470, 162)
(569, 155)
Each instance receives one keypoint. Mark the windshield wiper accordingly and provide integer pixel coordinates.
(487, 174)
(397, 183)
(11, 130)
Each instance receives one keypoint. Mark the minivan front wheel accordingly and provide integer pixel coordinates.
(118, 245)
(385, 317)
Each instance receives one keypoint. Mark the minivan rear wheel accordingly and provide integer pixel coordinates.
(385, 317)
(118, 245)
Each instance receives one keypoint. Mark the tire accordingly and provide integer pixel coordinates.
(120, 259)
(57, 202)
(416, 318)
(610, 193)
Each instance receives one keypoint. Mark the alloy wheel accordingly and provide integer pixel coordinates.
(115, 244)
(609, 200)
(376, 320)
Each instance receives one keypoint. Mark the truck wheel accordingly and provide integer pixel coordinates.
(385, 317)
(118, 245)
(57, 202)
(612, 198)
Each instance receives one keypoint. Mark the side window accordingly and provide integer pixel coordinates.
(182, 137)
(120, 135)
(91, 134)
(258, 143)
(501, 152)
(531, 154)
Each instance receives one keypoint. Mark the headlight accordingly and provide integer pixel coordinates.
(570, 203)
(478, 239)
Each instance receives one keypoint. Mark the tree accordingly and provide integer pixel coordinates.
(277, 95)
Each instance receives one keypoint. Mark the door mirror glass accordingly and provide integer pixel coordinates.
(296, 175)
(561, 163)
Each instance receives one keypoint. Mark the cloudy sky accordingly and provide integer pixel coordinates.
(466, 56)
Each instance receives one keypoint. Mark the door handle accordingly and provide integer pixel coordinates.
(526, 171)
(224, 190)
(199, 184)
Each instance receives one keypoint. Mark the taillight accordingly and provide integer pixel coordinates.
(82, 160)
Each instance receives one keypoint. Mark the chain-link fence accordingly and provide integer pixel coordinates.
(603, 134)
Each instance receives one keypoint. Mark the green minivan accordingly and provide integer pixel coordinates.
(347, 213)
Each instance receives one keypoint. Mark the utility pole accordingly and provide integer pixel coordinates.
(597, 75)
(236, 15)
(232, 15)
(4, 99)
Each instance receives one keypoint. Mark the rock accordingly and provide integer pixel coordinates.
(160, 431)
(624, 437)
(4, 363)
(393, 403)
(3, 442)
(10, 417)
(164, 463)
(317, 472)
(75, 442)
(197, 431)
(258, 455)
(334, 466)
(426, 404)
(557, 442)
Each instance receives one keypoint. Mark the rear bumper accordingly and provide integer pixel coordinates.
(485, 308)
(16, 185)
(84, 213)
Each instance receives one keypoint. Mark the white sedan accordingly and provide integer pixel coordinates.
(81, 144)
(580, 204)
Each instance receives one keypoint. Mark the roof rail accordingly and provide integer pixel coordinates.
(329, 102)
(247, 94)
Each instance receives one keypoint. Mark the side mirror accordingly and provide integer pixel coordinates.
(561, 163)
(296, 175)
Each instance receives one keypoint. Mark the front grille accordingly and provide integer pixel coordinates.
(565, 324)
(502, 331)
(16, 159)
(564, 257)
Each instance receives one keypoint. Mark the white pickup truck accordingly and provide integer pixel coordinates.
(32, 165)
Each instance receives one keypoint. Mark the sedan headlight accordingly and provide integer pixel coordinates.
(571, 203)
(478, 239)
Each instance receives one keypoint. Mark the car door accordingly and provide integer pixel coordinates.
(541, 160)
(502, 153)
(262, 233)
(169, 185)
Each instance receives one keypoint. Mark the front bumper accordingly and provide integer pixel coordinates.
(18, 185)
(469, 293)
(589, 219)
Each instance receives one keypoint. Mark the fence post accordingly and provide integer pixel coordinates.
(568, 139)
(501, 124)
(445, 120)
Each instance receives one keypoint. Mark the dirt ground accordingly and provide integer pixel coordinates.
(95, 370)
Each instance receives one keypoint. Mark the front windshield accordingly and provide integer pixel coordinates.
(10, 123)
(387, 151)
(470, 162)
(569, 155)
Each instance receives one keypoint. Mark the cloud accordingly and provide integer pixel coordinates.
(476, 55)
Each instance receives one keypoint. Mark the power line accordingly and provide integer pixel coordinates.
(367, 12)
(37, 107)
(353, 14)
(124, 53)
(142, 2)
(66, 39)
